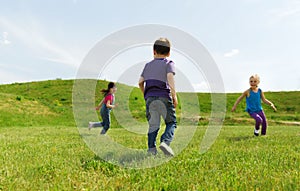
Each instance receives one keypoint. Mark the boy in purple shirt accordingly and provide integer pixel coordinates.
(158, 86)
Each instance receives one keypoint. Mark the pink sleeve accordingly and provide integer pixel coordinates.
(108, 97)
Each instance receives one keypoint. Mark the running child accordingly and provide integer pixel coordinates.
(105, 106)
(158, 86)
(254, 96)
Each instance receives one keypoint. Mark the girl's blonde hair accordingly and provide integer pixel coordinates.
(255, 76)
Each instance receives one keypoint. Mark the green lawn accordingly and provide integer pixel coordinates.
(56, 158)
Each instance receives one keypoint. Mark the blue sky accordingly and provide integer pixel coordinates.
(42, 40)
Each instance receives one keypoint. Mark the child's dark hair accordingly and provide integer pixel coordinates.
(162, 46)
(110, 85)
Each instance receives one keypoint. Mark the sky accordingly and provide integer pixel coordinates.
(44, 40)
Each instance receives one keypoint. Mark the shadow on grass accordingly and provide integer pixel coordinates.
(86, 135)
(98, 164)
(241, 138)
(112, 160)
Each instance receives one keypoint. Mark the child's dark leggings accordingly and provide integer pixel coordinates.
(260, 119)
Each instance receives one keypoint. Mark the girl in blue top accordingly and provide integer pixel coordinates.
(254, 95)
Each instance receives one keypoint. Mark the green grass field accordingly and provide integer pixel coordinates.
(56, 158)
(42, 149)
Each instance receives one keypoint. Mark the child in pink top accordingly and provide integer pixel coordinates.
(106, 105)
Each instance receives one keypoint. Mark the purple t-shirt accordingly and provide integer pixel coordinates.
(155, 76)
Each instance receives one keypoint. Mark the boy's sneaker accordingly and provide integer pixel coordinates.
(152, 151)
(166, 149)
(256, 132)
(90, 125)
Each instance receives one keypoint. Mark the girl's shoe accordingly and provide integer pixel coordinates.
(90, 125)
(103, 132)
(256, 132)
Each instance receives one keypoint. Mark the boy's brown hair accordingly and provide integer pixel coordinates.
(162, 46)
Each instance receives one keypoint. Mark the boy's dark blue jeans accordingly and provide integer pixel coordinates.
(155, 108)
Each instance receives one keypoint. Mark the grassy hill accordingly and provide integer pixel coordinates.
(50, 154)
(48, 103)
(36, 104)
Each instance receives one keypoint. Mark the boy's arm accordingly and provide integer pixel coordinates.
(171, 82)
(141, 84)
(238, 101)
(267, 101)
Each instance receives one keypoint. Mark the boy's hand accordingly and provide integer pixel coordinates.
(97, 108)
(175, 101)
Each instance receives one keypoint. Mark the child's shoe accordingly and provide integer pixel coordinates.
(90, 125)
(152, 151)
(166, 149)
(103, 132)
(256, 132)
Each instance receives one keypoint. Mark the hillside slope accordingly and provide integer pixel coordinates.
(48, 103)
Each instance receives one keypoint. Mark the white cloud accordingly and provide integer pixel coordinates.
(288, 11)
(201, 87)
(232, 53)
(4, 38)
(31, 36)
